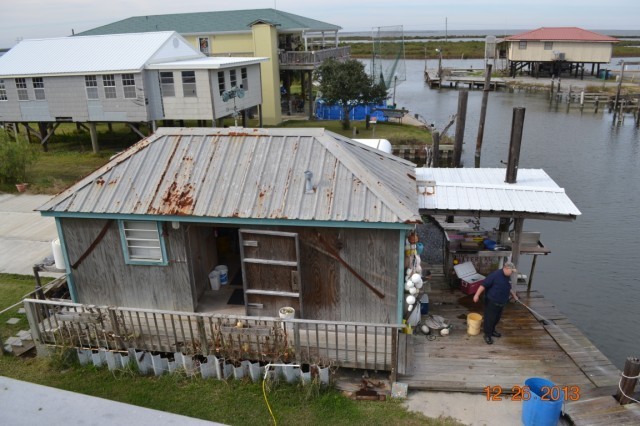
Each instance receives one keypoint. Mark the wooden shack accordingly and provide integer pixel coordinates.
(301, 217)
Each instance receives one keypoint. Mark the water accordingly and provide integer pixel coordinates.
(593, 272)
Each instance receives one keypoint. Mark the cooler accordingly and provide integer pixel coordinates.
(470, 280)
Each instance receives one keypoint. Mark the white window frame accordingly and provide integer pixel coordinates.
(3, 91)
(244, 76)
(222, 86)
(167, 84)
(522, 45)
(548, 45)
(109, 85)
(189, 87)
(129, 86)
(204, 45)
(233, 78)
(138, 237)
(38, 88)
(23, 91)
(91, 84)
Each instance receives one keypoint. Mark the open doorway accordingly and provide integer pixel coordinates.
(214, 247)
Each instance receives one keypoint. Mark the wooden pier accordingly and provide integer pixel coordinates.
(454, 78)
(549, 347)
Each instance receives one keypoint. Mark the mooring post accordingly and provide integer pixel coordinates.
(517, 127)
(597, 103)
(460, 122)
(629, 380)
(615, 105)
(483, 112)
(436, 149)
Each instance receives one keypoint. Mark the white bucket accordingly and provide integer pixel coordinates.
(214, 279)
(58, 258)
(224, 274)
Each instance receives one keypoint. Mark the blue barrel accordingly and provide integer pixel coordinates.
(542, 412)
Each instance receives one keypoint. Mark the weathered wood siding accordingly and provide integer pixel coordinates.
(331, 292)
(103, 278)
(203, 256)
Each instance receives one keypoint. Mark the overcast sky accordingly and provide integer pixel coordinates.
(55, 18)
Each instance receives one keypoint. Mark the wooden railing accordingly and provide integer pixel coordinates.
(268, 339)
(315, 57)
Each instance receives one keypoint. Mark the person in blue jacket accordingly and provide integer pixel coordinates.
(497, 290)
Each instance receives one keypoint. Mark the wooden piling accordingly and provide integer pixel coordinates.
(517, 127)
(94, 137)
(629, 380)
(436, 149)
(460, 122)
(483, 112)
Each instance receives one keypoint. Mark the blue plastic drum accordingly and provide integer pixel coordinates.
(544, 406)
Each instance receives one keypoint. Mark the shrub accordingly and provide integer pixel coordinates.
(15, 157)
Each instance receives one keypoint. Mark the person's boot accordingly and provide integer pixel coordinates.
(488, 340)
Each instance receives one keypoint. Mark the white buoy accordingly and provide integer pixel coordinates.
(425, 329)
(411, 299)
(444, 332)
(419, 285)
(410, 308)
(413, 290)
(416, 278)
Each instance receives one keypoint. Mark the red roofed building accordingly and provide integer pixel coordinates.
(558, 50)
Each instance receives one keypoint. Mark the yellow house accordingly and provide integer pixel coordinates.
(555, 51)
(293, 43)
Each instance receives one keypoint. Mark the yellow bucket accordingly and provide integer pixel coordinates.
(473, 323)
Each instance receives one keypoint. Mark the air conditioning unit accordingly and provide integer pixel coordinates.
(559, 56)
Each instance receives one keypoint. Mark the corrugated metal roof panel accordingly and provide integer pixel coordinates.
(92, 54)
(484, 190)
(561, 34)
(247, 173)
(213, 22)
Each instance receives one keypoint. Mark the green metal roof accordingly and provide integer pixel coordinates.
(213, 22)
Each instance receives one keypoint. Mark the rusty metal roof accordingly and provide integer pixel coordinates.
(248, 173)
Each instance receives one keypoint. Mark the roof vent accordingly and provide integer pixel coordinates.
(308, 186)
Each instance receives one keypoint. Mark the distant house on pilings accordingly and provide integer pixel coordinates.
(125, 78)
(558, 51)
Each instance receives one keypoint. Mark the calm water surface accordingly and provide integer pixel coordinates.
(593, 272)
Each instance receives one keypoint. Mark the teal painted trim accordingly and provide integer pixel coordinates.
(403, 236)
(70, 283)
(232, 221)
(125, 247)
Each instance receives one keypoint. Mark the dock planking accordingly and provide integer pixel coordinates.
(530, 347)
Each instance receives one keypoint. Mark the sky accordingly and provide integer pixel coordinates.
(56, 18)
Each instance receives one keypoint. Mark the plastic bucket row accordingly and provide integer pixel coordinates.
(474, 321)
(219, 276)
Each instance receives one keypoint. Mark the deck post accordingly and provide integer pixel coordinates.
(94, 137)
(394, 356)
(202, 334)
(32, 317)
(296, 340)
(629, 380)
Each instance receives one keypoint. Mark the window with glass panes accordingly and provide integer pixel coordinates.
(129, 85)
(91, 84)
(166, 84)
(21, 85)
(109, 83)
(38, 88)
(189, 84)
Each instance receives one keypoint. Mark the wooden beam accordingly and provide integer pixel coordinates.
(135, 130)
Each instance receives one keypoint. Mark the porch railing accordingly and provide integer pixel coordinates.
(313, 57)
(235, 337)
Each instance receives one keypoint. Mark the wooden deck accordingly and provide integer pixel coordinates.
(455, 80)
(549, 347)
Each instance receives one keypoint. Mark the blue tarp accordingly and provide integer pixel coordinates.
(328, 112)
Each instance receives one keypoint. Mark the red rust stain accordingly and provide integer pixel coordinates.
(176, 201)
(100, 181)
(113, 181)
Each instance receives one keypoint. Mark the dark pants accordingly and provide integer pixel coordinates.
(492, 314)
